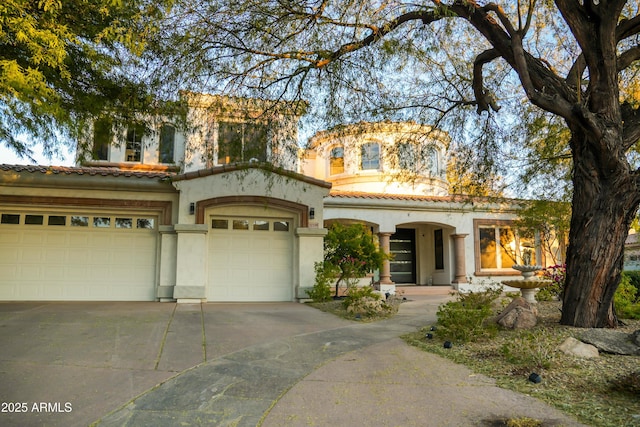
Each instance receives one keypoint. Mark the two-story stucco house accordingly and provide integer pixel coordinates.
(229, 208)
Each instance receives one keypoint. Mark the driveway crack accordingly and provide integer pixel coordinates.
(164, 337)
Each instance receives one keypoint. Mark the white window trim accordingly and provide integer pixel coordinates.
(503, 270)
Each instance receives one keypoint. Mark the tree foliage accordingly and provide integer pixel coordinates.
(63, 62)
(351, 252)
(551, 219)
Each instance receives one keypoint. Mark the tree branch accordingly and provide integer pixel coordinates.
(628, 27)
(626, 58)
(377, 33)
(631, 130)
(483, 99)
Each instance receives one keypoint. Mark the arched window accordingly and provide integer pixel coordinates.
(407, 158)
(418, 159)
(167, 141)
(433, 165)
(370, 153)
(336, 161)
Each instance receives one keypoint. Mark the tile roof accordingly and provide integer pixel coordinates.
(245, 166)
(414, 197)
(71, 170)
(453, 198)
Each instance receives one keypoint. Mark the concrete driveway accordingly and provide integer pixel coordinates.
(69, 364)
(163, 364)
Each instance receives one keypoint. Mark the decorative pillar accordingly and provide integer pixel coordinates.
(310, 251)
(386, 285)
(191, 263)
(167, 259)
(459, 258)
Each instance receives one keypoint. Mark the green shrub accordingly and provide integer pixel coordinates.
(325, 275)
(625, 300)
(353, 251)
(634, 280)
(465, 319)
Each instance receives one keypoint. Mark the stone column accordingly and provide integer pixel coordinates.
(310, 251)
(167, 259)
(459, 261)
(386, 285)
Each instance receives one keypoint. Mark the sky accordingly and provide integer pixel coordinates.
(9, 157)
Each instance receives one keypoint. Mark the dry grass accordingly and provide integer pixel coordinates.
(604, 391)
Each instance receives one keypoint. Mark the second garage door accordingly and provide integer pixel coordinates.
(250, 259)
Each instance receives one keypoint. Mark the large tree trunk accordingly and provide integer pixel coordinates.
(604, 203)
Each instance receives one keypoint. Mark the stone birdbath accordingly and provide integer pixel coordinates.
(529, 282)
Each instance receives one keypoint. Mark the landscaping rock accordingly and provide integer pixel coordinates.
(519, 314)
(635, 337)
(577, 348)
(609, 341)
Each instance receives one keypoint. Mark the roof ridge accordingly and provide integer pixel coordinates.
(87, 170)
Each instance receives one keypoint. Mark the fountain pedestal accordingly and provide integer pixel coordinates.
(529, 283)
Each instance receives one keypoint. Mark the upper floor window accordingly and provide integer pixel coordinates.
(167, 144)
(241, 142)
(370, 154)
(336, 161)
(433, 164)
(407, 156)
(418, 159)
(134, 142)
(102, 137)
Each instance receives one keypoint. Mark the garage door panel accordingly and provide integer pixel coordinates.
(79, 240)
(78, 256)
(69, 262)
(30, 255)
(56, 239)
(32, 238)
(261, 244)
(9, 272)
(239, 275)
(240, 243)
(240, 259)
(11, 238)
(261, 262)
(10, 255)
(56, 273)
(55, 255)
(279, 244)
(31, 272)
(250, 265)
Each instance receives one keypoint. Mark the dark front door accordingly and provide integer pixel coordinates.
(403, 249)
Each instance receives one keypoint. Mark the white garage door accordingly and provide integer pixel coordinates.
(250, 259)
(84, 257)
